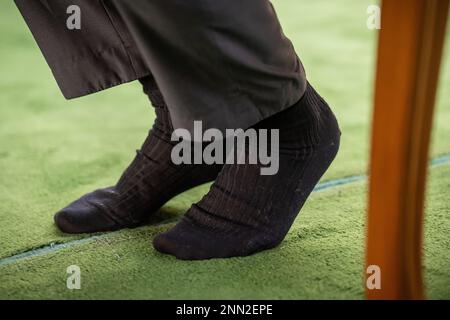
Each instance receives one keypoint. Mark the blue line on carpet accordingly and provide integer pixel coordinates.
(442, 160)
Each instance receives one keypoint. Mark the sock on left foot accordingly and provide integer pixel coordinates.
(147, 184)
(246, 212)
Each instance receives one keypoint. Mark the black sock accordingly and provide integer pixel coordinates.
(150, 181)
(246, 212)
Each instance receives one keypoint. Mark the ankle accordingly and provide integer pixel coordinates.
(309, 122)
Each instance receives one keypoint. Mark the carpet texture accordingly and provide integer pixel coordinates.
(52, 151)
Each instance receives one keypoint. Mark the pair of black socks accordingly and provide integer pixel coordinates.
(243, 213)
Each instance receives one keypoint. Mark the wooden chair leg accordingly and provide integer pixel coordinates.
(409, 55)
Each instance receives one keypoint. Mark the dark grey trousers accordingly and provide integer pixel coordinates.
(224, 62)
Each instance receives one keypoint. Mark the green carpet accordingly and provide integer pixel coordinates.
(322, 257)
(53, 150)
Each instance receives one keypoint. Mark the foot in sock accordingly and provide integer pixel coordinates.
(246, 212)
(150, 181)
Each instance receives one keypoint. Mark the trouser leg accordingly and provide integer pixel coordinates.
(224, 62)
(99, 55)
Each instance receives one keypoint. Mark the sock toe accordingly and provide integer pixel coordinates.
(163, 244)
(63, 223)
(77, 218)
(166, 244)
(187, 242)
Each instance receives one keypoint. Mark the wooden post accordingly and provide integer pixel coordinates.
(409, 55)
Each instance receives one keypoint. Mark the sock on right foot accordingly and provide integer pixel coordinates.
(245, 212)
